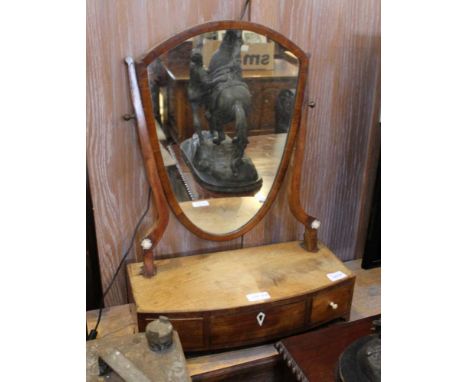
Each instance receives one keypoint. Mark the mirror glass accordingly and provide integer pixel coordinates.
(223, 103)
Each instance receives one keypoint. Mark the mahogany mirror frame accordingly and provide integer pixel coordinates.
(156, 172)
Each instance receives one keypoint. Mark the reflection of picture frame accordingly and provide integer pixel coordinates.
(250, 37)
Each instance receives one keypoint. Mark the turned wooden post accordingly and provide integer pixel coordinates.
(148, 269)
(146, 136)
(310, 240)
(310, 235)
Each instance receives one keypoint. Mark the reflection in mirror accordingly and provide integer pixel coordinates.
(223, 103)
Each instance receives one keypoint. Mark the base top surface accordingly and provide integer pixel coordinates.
(222, 280)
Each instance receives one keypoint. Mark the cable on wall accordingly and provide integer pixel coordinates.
(244, 9)
(93, 334)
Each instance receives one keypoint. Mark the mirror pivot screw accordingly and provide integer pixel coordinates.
(128, 117)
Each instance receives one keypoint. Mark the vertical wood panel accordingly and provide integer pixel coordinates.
(116, 29)
(343, 38)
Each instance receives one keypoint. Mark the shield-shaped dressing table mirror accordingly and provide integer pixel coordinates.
(218, 110)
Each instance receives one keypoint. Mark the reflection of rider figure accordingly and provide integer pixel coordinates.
(197, 88)
(225, 66)
(204, 87)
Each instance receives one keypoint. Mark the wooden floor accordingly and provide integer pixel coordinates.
(121, 320)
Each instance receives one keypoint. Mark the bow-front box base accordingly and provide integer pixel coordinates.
(246, 296)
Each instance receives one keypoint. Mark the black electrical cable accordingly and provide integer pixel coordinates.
(244, 9)
(93, 334)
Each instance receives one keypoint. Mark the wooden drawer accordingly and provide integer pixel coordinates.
(242, 327)
(190, 330)
(331, 303)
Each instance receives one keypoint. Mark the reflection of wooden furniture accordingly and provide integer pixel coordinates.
(313, 356)
(265, 151)
(206, 296)
(264, 86)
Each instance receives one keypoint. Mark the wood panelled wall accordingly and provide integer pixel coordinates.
(343, 140)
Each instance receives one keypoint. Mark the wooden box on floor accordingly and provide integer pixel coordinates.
(205, 296)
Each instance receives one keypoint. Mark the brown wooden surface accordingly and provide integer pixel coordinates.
(161, 216)
(244, 326)
(213, 288)
(322, 311)
(343, 38)
(222, 280)
(316, 353)
(252, 364)
(121, 320)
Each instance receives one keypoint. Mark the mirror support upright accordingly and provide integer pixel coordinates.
(156, 231)
(311, 224)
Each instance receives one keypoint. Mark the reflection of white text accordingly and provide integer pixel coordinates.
(256, 59)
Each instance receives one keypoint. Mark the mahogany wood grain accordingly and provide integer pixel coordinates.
(294, 187)
(222, 280)
(215, 288)
(313, 356)
(161, 211)
(244, 326)
(322, 311)
(260, 363)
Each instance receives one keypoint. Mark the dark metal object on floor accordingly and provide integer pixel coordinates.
(360, 362)
(156, 355)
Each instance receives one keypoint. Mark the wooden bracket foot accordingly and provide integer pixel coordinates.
(149, 270)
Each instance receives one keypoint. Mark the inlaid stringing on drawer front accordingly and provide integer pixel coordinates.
(264, 322)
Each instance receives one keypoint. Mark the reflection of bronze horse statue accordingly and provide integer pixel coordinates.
(223, 93)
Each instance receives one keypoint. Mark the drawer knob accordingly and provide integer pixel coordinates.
(260, 318)
(333, 305)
